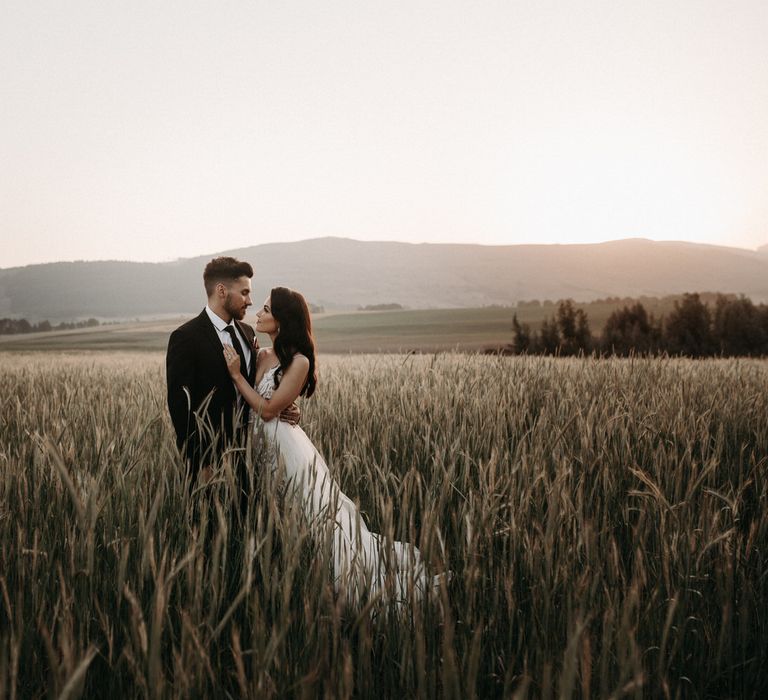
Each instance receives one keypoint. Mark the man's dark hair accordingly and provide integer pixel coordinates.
(224, 269)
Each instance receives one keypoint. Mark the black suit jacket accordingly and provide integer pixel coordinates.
(202, 399)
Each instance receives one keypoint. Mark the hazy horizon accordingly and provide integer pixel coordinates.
(155, 132)
(357, 240)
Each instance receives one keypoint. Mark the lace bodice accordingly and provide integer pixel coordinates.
(266, 384)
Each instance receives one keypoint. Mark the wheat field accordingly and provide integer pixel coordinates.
(606, 523)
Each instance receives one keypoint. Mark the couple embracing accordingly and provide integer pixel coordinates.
(221, 386)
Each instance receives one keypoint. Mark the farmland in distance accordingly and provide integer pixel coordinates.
(421, 330)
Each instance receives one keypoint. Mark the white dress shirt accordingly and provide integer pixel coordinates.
(220, 324)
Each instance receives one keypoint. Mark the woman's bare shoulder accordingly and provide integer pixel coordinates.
(301, 361)
(264, 355)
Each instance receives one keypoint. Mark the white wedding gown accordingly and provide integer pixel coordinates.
(363, 562)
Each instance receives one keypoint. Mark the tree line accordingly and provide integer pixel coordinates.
(730, 327)
(13, 326)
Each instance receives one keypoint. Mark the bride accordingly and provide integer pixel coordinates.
(362, 560)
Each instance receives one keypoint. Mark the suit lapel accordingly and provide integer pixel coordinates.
(211, 336)
(212, 340)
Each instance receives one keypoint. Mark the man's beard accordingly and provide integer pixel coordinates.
(236, 311)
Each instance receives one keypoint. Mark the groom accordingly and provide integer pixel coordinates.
(208, 414)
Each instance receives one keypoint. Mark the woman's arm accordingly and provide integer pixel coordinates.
(290, 386)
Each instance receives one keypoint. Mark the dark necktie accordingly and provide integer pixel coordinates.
(239, 348)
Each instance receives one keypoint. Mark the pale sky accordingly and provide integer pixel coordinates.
(156, 130)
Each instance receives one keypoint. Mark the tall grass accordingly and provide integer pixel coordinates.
(606, 523)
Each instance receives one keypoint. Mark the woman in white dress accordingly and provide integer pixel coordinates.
(363, 562)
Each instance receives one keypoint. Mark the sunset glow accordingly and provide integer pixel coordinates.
(151, 132)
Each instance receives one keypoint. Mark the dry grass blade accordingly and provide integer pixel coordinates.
(58, 461)
(73, 687)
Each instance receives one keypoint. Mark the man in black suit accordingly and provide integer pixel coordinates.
(207, 412)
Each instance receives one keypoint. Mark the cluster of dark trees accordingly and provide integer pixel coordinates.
(12, 326)
(731, 327)
(381, 307)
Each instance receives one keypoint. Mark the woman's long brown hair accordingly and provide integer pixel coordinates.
(295, 335)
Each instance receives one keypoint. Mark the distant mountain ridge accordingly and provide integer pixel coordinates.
(341, 273)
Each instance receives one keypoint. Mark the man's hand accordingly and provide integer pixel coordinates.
(291, 414)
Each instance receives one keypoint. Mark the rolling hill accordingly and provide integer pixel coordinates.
(341, 273)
